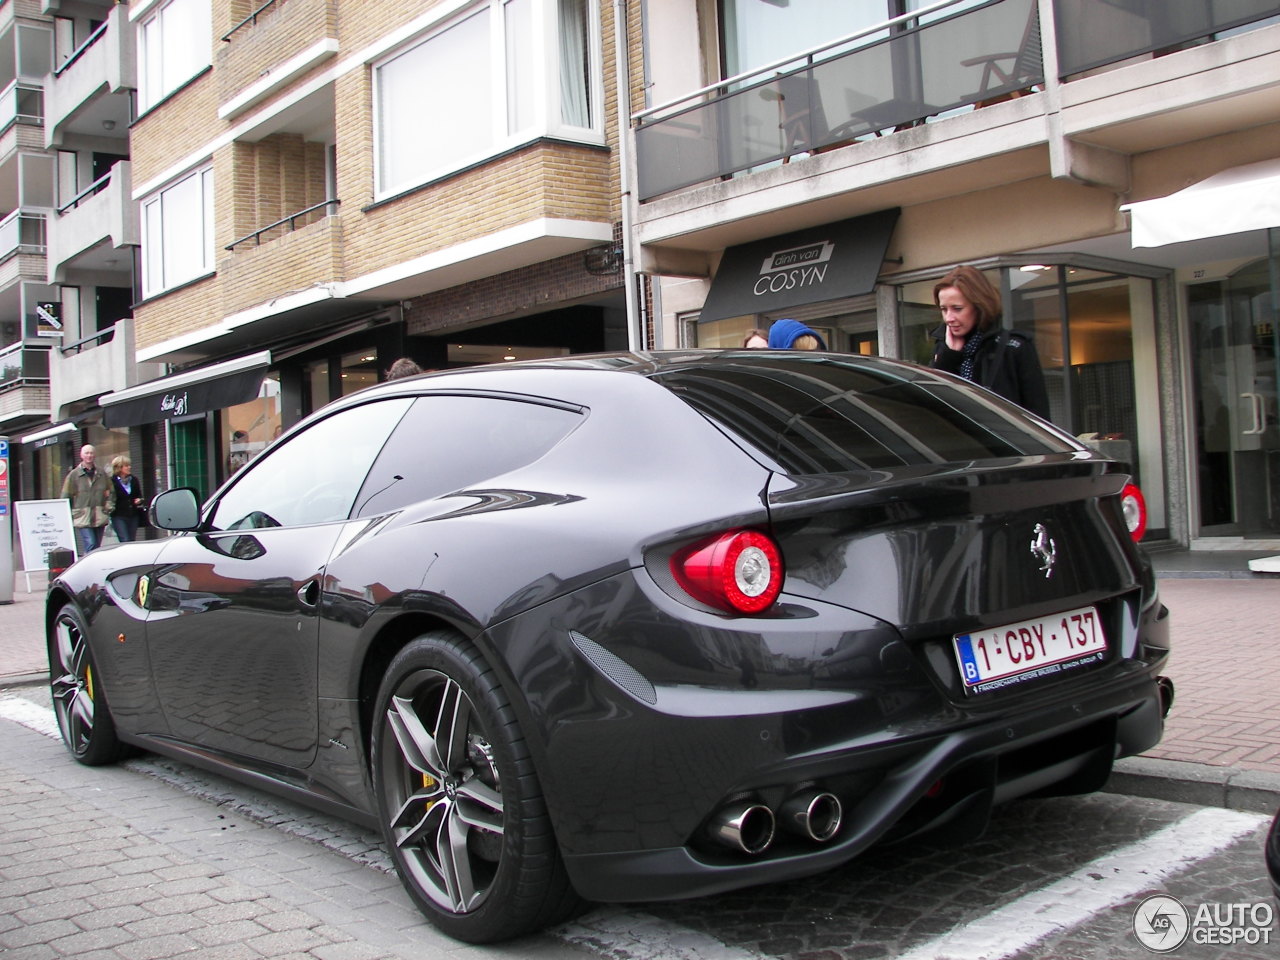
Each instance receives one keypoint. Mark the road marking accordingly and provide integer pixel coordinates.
(33, 716)
(1099, 885)
(637, 936)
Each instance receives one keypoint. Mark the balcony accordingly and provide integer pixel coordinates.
(89, 92)
(90, 229)
(93, 366)
(272, 47)
(24, 386)
(899, 80)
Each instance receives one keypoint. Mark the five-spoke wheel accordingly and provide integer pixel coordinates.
(78, 700)
(460, 806)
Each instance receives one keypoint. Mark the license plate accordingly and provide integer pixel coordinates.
(1013, 654)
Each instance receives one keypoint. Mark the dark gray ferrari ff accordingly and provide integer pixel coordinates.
(634, 627)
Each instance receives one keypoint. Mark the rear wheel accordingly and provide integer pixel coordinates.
(460, 804)
(78, 699)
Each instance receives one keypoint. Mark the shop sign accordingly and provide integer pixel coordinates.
(831, 262)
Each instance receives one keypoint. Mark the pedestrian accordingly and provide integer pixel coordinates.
(756, 339)
(794, 335)
(130, 507)
(404, 367)
(89, 491)
(972, 343)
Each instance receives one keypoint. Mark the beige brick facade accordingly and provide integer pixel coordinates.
(261, 179)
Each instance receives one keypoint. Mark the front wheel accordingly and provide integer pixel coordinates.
(78, 699)
(460, 804)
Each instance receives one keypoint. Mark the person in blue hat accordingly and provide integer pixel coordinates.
(793, 335)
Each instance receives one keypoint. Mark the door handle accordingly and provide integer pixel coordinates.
(1259, 424)
(309, 593)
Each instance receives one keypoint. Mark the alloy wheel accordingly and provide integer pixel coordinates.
(72, 681)
(444, 797)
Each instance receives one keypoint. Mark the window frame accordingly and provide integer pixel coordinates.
(155, 81)
(156, 252)
(543, 64)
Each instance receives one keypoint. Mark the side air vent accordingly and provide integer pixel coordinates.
(617, 670)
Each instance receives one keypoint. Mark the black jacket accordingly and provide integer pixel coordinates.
(1006, 363)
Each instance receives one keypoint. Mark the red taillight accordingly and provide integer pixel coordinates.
(1135, 511)
(740, 571)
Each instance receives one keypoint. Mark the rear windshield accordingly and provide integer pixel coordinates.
(825, 415)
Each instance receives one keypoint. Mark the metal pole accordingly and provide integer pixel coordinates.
(6, 527)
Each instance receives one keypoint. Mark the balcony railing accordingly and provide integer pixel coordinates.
(23, 364)
(939, 60)
(251, 18)
(21, 102)
(78, 52)
(330, 208)
(22, 232)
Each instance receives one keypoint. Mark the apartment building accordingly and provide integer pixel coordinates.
(1113, 164)
(320, 187)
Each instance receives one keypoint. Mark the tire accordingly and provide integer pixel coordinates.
(459, 802)
(79, 702)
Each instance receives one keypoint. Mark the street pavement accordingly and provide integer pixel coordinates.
(91, 868)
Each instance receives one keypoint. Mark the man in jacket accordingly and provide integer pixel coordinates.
(89, 490)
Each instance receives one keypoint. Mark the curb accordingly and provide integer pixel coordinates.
(1181, 781)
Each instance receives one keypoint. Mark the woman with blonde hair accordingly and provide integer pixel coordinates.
(129, 504)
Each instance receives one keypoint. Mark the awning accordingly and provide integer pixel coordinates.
(1234, 201)
(184, 394)
(830, 262)
(47, 436)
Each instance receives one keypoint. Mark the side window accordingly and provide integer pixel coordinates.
(448, 443)
(313, 476)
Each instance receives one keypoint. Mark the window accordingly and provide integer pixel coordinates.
(177, 233)
(174, 44)
(482, 83)
(451, 443)
(313, 476)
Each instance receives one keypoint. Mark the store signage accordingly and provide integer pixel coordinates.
(831, 262)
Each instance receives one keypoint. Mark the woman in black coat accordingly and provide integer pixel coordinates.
(971, 342)
(129, 503)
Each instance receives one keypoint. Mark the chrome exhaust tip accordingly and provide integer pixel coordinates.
(1165, 688)
(744, 827)
(814, 814)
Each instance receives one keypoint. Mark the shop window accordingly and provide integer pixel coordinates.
(248, 428)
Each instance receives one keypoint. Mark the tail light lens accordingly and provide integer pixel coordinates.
(1134, 506)
(739, 571)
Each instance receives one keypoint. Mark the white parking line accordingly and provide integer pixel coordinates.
(1097, 886)
(33, 716)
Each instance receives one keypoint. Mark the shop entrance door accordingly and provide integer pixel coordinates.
(1237, 419)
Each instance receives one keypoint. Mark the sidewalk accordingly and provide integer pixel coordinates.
(1221, 745)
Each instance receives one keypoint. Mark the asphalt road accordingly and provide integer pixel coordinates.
(154, 859)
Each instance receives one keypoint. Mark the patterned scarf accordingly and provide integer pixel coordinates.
(969, 353)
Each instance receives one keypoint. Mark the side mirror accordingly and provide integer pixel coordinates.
(176, 509)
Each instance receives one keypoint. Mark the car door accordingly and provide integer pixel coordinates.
(234, 607)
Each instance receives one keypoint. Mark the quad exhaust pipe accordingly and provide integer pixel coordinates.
(749, 827)
(812, 814)
(1164, 686)
(744, 827)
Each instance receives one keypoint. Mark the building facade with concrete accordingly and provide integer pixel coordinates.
(830, 161)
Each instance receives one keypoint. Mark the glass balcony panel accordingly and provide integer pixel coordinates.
(1094, 33)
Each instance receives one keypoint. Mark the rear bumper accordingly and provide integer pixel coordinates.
(1066, 749)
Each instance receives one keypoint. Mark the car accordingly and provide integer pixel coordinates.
(636, 626)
